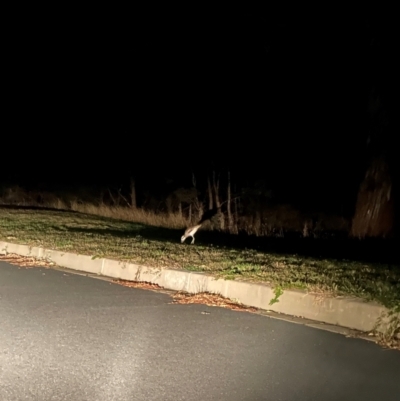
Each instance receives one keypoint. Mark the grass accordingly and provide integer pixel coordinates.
(160, 247)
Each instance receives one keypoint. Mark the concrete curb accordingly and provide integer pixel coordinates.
(351, 313)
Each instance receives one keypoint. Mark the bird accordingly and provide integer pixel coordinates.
(190, 232)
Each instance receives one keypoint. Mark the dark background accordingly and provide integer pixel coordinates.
(300, 101)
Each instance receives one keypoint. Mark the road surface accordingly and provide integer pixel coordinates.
(69, 337)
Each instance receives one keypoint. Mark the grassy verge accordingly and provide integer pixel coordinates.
(161, 247)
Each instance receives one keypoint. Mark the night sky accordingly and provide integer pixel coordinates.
(94, 98)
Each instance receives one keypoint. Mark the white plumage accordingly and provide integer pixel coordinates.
(190, 232)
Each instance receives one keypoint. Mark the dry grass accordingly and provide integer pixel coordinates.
(174, 221)
(17, 196)
(263, 220)
(161, 247)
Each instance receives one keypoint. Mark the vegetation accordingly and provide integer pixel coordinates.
(247, 258)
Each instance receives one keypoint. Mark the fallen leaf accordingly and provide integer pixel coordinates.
(209, 300)
(25, 261)
(137, 284)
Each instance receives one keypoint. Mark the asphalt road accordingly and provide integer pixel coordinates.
(69, 337)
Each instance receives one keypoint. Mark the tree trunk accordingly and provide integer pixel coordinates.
(198, 206)
(236, 215)
(210, 195)
(228, 204)
(220, 215)
(133, 194)
(216, 192)
(374, 214)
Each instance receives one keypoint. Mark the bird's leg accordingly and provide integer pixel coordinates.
(192, 240)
